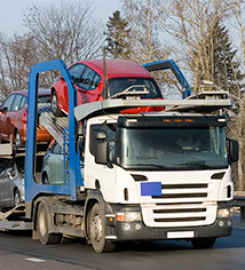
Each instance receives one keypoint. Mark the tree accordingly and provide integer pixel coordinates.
(226, 66)
(191, 23)
(17, 55)
(142, 17)
(237, 8)
(221, 66)
(227, 75)
(67, 32)
(117, 37)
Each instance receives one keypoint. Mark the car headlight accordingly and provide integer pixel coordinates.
(224, 212)
(128, 216)
(23, 181)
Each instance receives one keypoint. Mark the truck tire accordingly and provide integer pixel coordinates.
(54, 105)
(203, 242)
(97, 231)
(45, 237)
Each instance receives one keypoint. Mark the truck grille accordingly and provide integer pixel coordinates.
(179, 219)
(184, 195)
(180, 205)
(184, 186)
(167, 211)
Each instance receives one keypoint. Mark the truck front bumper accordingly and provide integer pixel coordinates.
(136, 230)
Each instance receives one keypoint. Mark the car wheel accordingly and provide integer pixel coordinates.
(203, 242)
(45, 237)
(54, 104)
(97, 231)
(17, 199)
(45, 180)
(18, 142)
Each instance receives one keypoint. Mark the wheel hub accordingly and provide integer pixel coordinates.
(42, 223)
(96, 228)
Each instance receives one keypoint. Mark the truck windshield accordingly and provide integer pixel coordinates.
(173, 148)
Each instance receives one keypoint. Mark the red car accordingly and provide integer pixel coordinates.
(87, 78)
(13, 117)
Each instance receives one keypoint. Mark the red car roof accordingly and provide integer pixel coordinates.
(118, 68)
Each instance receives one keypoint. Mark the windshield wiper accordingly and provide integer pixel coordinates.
(197, 165)
(153, 165)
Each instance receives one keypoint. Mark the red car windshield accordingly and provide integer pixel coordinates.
(119, 85)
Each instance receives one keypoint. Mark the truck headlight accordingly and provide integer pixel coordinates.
(224, 212)
(128, 216)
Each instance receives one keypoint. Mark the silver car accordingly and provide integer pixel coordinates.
(53, 165)
(12, 184)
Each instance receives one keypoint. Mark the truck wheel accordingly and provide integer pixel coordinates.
(54, 104)
(45, 237)
(97, 231)
(17, 199)
(203, 242)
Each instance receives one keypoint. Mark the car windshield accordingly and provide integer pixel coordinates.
(173, 148)
(118, 85)
(43, 99)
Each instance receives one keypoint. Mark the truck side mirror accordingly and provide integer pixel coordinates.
(101, 153)
(101, 149)
(101, 135)
(233, 150)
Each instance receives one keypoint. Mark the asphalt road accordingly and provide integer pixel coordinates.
(19, 251)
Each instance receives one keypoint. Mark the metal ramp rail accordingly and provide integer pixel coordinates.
(197, 105)
(55, 126)
(14, 219)
(212, 97)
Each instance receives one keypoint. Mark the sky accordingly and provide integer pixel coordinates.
(11, 12)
